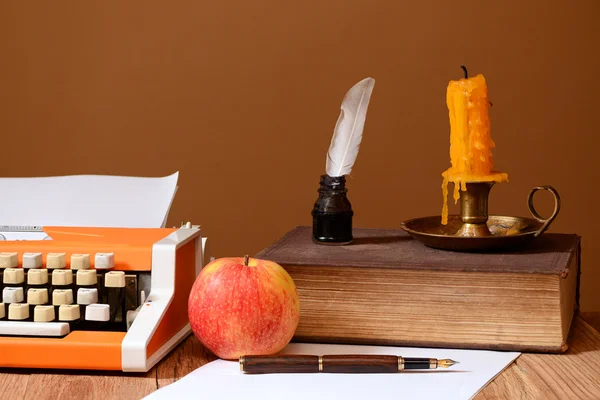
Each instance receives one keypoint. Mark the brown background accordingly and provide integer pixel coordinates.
(241, 98)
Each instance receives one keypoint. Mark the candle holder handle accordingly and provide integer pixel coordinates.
(546, 222)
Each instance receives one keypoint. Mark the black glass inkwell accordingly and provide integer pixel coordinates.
(332, 212)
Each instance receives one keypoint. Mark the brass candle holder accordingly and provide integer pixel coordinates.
(475, 230)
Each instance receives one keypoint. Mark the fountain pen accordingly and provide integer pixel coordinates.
(344, 363)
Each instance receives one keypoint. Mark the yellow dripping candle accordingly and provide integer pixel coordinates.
(470, 140)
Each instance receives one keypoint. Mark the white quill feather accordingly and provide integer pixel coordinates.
(348, 131)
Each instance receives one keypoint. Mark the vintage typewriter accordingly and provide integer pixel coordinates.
(96, 298)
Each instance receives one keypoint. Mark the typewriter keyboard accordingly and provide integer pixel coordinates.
(55, 300)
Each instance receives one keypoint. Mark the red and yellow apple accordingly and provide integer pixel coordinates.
(243, 306)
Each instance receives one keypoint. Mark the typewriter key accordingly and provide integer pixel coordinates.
(97, 316)
(104, 261)
(13, 295)
(80, 261)
(2, 312)
(70, 313)
(87, 278)
(18, 311)
(32, 260)
(56, 261)
(62, 296)
(13, 277)
(9, 260)
(43, 314)
(37, 296)
(62, 277)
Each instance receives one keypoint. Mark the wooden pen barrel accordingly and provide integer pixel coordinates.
(274, 364)
(360, 364)
(342, 363)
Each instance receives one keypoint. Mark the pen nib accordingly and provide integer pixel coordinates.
(446, 363)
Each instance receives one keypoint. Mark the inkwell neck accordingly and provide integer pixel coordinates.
(336, 184)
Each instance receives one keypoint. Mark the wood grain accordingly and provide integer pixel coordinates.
(90, 386)
(574, 374)
(13, 385)
(188, 356)
(296, 363)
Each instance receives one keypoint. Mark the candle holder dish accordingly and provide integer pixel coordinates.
(476, 231)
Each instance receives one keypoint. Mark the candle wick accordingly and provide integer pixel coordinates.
(466, 73)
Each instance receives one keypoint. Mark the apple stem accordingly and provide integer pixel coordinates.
(246, 258)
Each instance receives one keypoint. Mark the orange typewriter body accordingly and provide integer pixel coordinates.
(121, 326)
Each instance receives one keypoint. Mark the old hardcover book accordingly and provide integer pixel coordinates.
(387, 288)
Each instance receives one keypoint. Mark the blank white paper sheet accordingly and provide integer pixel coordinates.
(87, 200)
(223, 379)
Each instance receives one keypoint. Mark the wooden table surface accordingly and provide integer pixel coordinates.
(573, 375)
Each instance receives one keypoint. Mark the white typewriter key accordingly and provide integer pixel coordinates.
(37, 277)
(12, 295)
(114, 279)
(68, 312)
(18, 311)
(9, 260)
(32, 260)
(62, 296)
(80, 261)
(87, 296)
(2, 311)
(87, 277)
(43, 314)
(62, 277)
(56, 260)
(97, 312)
(104, 260)
(37, 296)
(14, 276)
